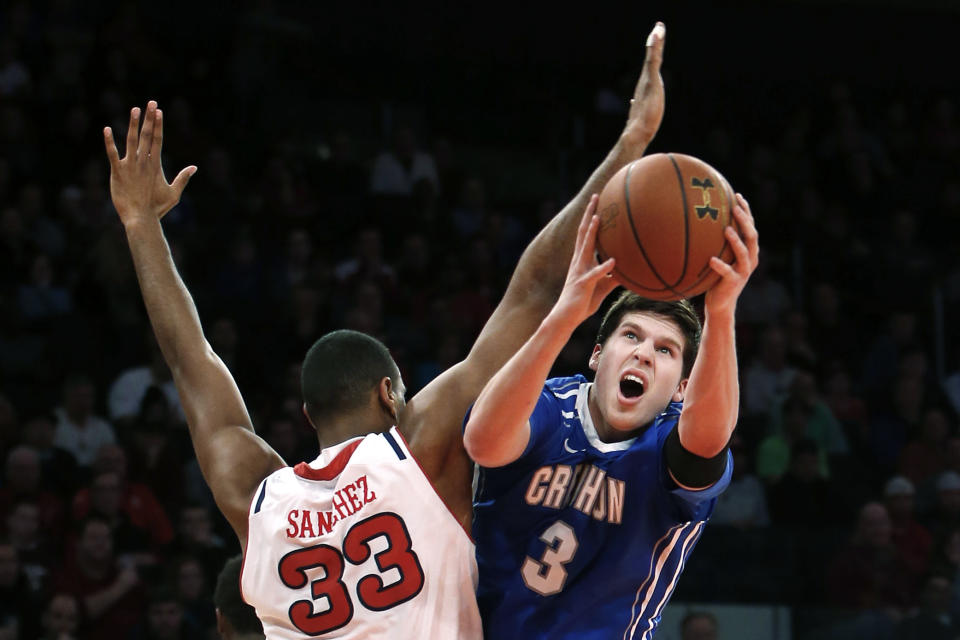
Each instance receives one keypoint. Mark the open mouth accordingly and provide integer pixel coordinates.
(631, 386)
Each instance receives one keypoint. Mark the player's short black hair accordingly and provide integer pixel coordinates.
(680, 312)
(227, 598)
(341, 369)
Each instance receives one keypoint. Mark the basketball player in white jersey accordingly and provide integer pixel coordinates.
(357, 544)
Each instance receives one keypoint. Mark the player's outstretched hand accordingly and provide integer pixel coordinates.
(588, 283)
(647, 104)
(746, 249)
(137, 184)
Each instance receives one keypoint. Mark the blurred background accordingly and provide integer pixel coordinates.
(381, 168)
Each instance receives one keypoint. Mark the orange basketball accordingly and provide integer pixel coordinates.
(662, 217)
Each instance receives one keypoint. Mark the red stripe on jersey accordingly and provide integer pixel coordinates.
(333, 469)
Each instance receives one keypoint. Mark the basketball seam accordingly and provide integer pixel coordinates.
(707, 270)
(686, 223)
(636, 237)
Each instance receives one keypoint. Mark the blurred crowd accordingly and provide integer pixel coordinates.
(845, 501)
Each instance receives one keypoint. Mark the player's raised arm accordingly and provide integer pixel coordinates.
(232, 457)
(434, 416)
(712, 399)
(498, 429)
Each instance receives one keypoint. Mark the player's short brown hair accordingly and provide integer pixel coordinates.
(680, 312)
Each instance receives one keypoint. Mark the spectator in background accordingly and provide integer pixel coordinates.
(61, 618)
(111, 595)
(127, 390)
(37, 548)
(774, 452)
(236, 620)
(763, 300)
(140, 525)
(744, 503)
(822, 426)
(58, 467)
(945, 516)
(78, 430)
(803, 497)
(396, 172)
(867, 575)
(699, 625)
(17, 600)
(158, 448)
(366, 263)
(934, 619)
(895, 420)
(912, 539)
(193, 593)
(924, 455)
(196, 538)
(40, 298)
(165, 619)
(881, 362)
(769, 375)
(22, 483)
(832, 328)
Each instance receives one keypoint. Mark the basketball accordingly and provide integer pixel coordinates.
(662, 217)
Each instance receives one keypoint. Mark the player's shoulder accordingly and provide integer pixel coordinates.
(667, 420)
(565, 387)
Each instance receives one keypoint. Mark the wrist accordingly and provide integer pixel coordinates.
(134, 223)
(558, 324)
(632, 144)
(720, 317)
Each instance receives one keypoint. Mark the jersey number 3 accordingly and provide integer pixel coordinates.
(370, 590)
(548, 575)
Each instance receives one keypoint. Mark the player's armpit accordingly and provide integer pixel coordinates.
(689, 470)
(236, 461)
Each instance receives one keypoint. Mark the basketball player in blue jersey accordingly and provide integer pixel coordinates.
(591, 496)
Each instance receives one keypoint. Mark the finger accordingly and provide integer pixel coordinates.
(736, 243)
(592, 205)
(606, 285)
(655, 42)
(146, 133)
(583, 229)
(111, 146)
(157, 135)
(587, 243)
(721, 267)
(132, 132)
(180, 182)
(602, 270)
(745, 206)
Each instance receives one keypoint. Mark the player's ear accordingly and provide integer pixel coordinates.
(681, 390)
(595, 357)
(307, 414)
(388, 398)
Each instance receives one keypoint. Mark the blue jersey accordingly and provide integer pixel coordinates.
(580, 538)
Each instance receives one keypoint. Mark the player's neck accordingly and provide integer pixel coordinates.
(351, 425)
(605, 432)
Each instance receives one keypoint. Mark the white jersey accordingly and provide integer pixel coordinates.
(358, 544)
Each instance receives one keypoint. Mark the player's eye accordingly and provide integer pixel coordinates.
(666, 350)
(630, 335)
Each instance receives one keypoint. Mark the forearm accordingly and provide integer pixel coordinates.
(208, 393)
(712, 398)
(497, 431)
(169, 305)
